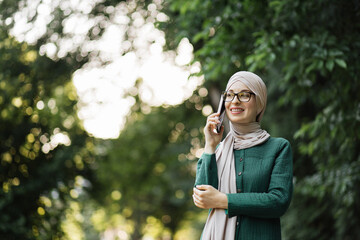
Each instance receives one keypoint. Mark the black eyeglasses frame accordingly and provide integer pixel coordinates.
(237, 95)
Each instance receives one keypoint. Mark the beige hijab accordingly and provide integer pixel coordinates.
(218, 225)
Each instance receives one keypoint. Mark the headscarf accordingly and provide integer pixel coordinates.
(241, 136)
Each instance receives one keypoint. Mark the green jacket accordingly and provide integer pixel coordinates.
(264, 187)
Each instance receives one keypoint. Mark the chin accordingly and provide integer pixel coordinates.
(240, 119)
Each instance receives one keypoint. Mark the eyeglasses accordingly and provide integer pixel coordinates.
(242, 96)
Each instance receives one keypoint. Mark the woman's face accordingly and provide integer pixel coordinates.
(241, 112)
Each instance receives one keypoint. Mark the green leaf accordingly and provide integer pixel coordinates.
(330, 65)
(312, 66)
(341, 63)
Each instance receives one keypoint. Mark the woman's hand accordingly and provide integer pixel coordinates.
(206, 196)
(212, 138)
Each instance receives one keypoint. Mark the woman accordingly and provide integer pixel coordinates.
(245, 180)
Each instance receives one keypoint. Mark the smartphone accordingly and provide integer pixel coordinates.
(221, 110)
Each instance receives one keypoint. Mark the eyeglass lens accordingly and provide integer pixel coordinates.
(242, 96)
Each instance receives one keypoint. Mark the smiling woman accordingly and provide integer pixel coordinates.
(246, 179)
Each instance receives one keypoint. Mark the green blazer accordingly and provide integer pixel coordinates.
(264, 187)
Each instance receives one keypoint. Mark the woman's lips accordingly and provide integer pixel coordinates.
(236, 110)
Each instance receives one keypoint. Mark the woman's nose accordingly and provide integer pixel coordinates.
(236, 99)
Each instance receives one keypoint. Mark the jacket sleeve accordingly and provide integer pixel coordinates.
(274, 202)
(206, 171)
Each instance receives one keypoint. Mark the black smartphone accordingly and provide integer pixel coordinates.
(221, 110)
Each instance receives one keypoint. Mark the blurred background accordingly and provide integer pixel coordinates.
(103, 103)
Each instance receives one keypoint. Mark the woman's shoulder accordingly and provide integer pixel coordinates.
(272, 147)
(278, 140)
(276, 143)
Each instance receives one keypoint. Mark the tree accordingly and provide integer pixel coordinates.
(42, 145)
(46, 104)
(152, 163)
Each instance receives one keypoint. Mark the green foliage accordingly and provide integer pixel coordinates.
(219, 31)
(37, 126)
(307, 53)
(152, 164)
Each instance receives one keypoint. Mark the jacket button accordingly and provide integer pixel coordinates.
(240, 159)
(239, 173)
(238, 190)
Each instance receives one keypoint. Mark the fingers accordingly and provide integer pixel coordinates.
(202, 196)
(197, 202)
(213, 118)
(198, 193)
(211, 122)
(202, 187)
(197, 199)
